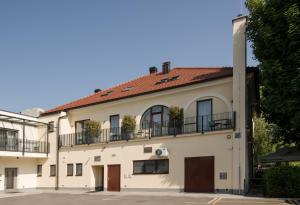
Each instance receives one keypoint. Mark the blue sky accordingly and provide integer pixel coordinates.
(55, 51)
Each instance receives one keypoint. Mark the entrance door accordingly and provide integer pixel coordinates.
(98, 172)
(199, 174)
(10, 178)
(204, 115)
(113, 177)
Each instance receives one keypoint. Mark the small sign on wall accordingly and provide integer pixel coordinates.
(97, 158)
(223, 175)
(147, 149)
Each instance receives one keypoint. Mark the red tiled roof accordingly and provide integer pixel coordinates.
(148, 84)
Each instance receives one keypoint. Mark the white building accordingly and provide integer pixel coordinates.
(208, 150)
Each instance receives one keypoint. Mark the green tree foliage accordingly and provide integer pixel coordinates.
(128, 124)
(274, 29)
(176, 113)
(263, 143)
(93, 128)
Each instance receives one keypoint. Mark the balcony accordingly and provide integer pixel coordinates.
(200, 124)
(26, 146)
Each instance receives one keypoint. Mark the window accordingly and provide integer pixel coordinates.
(114, 125)
(80, 127)
(204, 115)
(127, 88)
(159, 166)
(79, 169)
(156, 118)
(9, 140)
(39, 170)
(52, 170)
(69, 169)
(51, 127)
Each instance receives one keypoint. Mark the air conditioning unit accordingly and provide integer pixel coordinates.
(162, 152)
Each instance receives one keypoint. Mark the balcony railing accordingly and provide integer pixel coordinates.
(17, 145)
(200, 124)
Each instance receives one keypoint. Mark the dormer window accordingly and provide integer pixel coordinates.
(107, 93)
(127, 88)
(165, 80)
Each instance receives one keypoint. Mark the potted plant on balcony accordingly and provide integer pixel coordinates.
(128, 127)
(176, 119)
(92, 131)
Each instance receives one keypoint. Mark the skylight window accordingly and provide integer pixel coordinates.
(107, 93)
(127, 88)
(165, 80)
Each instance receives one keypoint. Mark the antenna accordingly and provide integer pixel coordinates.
(241, 7)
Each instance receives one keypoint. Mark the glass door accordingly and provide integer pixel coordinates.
(157, 124)
(80, 127)
(204, 115)
(114, 127)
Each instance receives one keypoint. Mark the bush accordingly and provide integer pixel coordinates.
(128, 124)
(93, 128)
(282, 181)
(176, 113)
(176, 119)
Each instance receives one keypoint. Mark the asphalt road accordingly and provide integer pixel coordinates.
(94, 199)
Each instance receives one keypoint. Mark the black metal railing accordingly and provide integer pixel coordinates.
(18, 145)
(199, 124)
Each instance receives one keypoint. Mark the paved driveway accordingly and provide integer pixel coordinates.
(107, 199)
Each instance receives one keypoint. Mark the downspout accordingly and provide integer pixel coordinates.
(23, 139)
(62, 115)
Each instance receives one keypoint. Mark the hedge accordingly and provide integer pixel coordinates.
(282, 181)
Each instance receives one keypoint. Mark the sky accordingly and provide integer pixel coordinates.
(56, 51)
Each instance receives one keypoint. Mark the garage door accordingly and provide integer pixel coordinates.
(199, 174)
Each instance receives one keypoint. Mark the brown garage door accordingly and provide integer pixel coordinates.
(113, 179)
(199, 174)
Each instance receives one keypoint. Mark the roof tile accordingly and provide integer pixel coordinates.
(147, 84)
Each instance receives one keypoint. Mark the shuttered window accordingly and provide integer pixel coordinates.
(69, 169)
(52, 170)
(159, 166)
(79, 169)
(39, 170)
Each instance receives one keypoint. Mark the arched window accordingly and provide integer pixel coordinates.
(155, 116)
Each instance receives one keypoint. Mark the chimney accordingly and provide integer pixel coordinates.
(153, 70)
(166, 67)
(97, 90)
(240, 145)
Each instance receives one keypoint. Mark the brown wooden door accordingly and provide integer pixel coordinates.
(199, 174)
(113, 177)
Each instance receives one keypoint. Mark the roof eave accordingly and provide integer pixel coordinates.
(140, 94)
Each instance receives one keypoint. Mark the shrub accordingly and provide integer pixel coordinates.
(128, 124)
(282, 181)
(93, 128)
(176, 113)
(176, 119)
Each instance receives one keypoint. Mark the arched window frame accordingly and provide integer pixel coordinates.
(164, 112)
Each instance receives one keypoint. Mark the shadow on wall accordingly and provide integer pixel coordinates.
(175, 178)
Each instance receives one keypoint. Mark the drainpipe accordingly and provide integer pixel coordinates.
(61, 115)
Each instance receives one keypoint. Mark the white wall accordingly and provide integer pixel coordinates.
(26, 178)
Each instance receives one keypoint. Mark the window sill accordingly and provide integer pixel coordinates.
(150, 173)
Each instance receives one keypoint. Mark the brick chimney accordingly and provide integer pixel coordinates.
(153, 70)
(166, 67)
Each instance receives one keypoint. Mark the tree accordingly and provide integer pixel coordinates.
(128, 126)
(93, 129)
(274, 29)
(262, 142)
